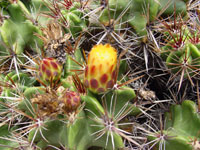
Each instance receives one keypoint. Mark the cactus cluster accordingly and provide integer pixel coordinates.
(72, 75)
(181, 53)
(138, 13)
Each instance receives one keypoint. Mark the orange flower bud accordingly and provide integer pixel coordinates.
(100, 71)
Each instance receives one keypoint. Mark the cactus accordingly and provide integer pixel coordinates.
(182, 53)
(73, 16)
(178, 134)
(55, 103)
(142, 11)
(4, 4)
(187, 56)
(180, 6)
(17, 30)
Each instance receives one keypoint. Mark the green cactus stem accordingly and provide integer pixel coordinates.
(139, 10)
(73, 16)
(182, 127)
(180, 5)
(186, 58)
(17, 31)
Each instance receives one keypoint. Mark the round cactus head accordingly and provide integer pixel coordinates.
(100, 71)
(50, 70)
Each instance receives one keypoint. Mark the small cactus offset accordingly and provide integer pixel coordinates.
(85, 75)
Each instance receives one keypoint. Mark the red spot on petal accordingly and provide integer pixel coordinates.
(94, 83)
(75, 99)
(46, 62)
(104, 78)
(111, 68)
(100, 67)
(86, 71)
(54, 65)
(66, 95)
(114, 74)
(48, 72)
(68, 101)
(43, 68)
(110, 84)
(92, 71)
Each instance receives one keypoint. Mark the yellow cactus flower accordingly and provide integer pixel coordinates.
(101, 68)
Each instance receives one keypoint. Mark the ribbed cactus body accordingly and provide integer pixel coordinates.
(100, 71)
(50, 70)
(74, 17)
(186, 58)
(17, 30)
(181, 128)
